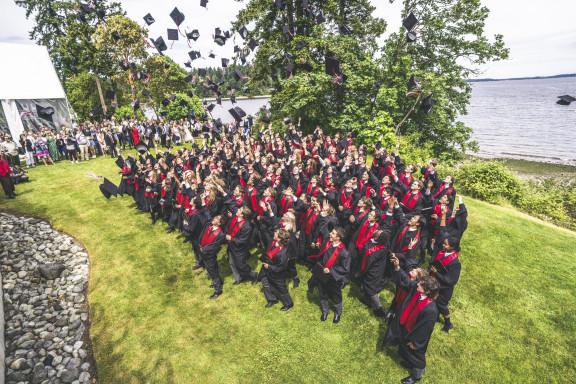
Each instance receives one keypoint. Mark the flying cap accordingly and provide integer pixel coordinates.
(300, 46)
(218, 100)
(411, 37)
(237, 74)
(165, 102)
(225, 62)
(116, 36)
(332, 66)
(239, 111)
(166, 65)
(141, 147)
(177, 16)
(172, 34)
(289, 67)
(220, 40)
(413, 82)
(236, 49)
(141, 75)
(203, 3)
(188, 78)
(235, 115)
(188, 65)
(45, 113)
(94, 111)
(194, 35)
(427, 104)
(110, 94)
(565, 100)
(211, 107)
(194, 55)
(108, 188)
(320, 18)
(190, 93)
(218, 123)
(73, 69)
(146, 92)
(211, 55)
(252, 44)
(286, 30)
(410, 22)
(243, 32)
(135, 104)
(307, 67)
(159, 44)
(232, 99)
(173, 97)
(88, 8)
(184, 103)
(149, 19)
(201, 72)
(343, 29)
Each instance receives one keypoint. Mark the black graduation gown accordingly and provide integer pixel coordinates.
(210, 251)
(239, 247)
(447, 281)
(371, 279)
(276, 271)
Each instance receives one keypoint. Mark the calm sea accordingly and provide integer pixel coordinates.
(512, 118)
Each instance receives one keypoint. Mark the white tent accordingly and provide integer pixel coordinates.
(28, 83)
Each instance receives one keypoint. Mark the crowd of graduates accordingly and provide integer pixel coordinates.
(312, 199)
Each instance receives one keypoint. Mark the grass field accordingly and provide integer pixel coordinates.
(514, 309)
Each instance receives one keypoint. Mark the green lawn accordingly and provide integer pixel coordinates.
(514, 309)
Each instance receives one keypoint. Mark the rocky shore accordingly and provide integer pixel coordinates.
(44, 280)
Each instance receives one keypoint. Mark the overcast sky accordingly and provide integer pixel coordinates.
(541, 35)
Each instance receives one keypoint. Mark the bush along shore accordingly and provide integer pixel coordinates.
(45, 276)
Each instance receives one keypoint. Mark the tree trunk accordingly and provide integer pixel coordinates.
(100, 93)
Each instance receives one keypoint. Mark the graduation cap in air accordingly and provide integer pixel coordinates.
(188, 65)
(243, 59)
(332, 66)
(218, 100)
(237, 74)
(427, 104)
(235, 115)
(87, 8)
(159, 44)
(94, 111)
(166, 65)
(287, 121)
(300, 46)
(177, 16)
(307, 67)
(141, 147)
(172, 34)
(184, 103)
(243, 32)
(120, 162)
(81, 17)
(288, 56)
(218, 123)
(172, 97)
(240, 112)
(565, 100)
(133, 66)
(411, 37)
(135, 104)
(201, 72)
(280, 5)
(73, 69)
(236, 49)
(211, 55)
(211, 107)
(413, 82)
(101, 13)
(107, 116)
(108, 188)
(188, 78)
(343, 29)
(220, 40)
(265, 119)
(163, 113)
(194, 35)
(45, 113)
(141, 75)
(203, 3)
(116, 36)
(320, 18)
(289, 67)
(125, 65)
(190, 94)
(192, 114)
(410, 22)
(286, 30)
(252, 44)
(232, 99)
(110, 94)
(193, 55)
(165, 102)
(146, 92)
(149, 19)
(225, 62)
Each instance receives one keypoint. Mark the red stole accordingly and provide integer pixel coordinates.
(365, 234)
(410, 314)
(367, 193)
(444, 261)
(368, 253)
(253, 199)
(310, 191)
(162, 192)
(235, 225)
(310, 220)
(272, 252)
(346, 201)
(238, 200)
(402, 235)
(261, 209)
(406, 179)
(400, 295)
(209, 237)
(191, 211)
(334, 256)
(410, 199)
(333, 158)
(384, 202)
(448, 192)
(242, 182)
(389, 169)
(298, 188)
(4, 168)
(284, 205)
(362, 214)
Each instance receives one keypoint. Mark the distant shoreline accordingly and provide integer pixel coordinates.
(522, 78)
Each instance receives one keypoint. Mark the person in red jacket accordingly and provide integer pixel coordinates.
(6, 178)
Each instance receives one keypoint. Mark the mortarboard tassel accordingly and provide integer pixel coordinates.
(412, 93)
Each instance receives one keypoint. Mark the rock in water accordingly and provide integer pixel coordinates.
(51, 271)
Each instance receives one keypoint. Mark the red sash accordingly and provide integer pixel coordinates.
(272, 252)
(333, 158)
(384, 202)
(410, 314)
(448, 192)
(235, 226)
(400, 295)
(191, 211)
(389, 169)
(242, 182)
(209, 238)
(310, 191)
(253, 199)
(162, 192)
(365, 234)
(446, 260)
(298, 188)
(406, 179)
(402, 235)
(367, 193)
(310, 220)
(368, 253)
(284, 205)
(410, 199)
(334, 256)
(179, 198)
(260, 209)
(346, 202)
(238, 200)
(362, 214)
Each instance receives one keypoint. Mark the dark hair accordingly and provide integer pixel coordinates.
(340, 232)
(383, 237)
(454, 243)
(430, 286)
(283, 237)
(379, 215)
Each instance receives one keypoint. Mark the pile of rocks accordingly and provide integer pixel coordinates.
(45, 276)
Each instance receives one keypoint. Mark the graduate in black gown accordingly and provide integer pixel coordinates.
(273, 272)
(413, 324)
(238, 237)
(211, 240)
(370, 274)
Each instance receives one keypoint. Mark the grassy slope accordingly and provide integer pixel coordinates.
(514, 311)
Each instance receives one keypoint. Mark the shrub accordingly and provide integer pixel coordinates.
(488, 180)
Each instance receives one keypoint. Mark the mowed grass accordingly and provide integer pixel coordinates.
(514, 308)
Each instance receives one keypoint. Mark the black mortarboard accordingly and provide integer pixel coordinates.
(172, 34)
(192, 114)
(165, 102)
(218, 123)
(236, 49)
(252, 44)
(166, 65)
(413, 82)
(289, 67)
(217, 31)
(188, 78)
(232, 99)
(159, 44)
(133, 65)
(194, 35)
(343, 29)
(107, 116)
(141, 147)
(173, 97)
(81, 17)
(286, 30)
(243, 32)
(190, 94)
(307, 67)
(300, 46)
(320, 18)
(203, 3)
(120, 162)
(288, 56)
(427, 104)
(218, 100)
(565, 100)
(149, 19)
(141, 75)
(116, 36)
(237, 74)
(125, 65)
(211, 55)
(73, 69)
(220, 83)
(188, 65)
(239, 111)
(225, 62)
(110, 94)
(332, 66)
(243, 59)
(88, 8)
(177, 16)
(235, 114)
(163, 113)
(280, 5)
(193, 55)
(227, 34)
(211, 107)
(45, 113)
(287, 121)
(220, 40)
(108, 188)
(341, 79)
(146, 92)
(411, 37)
(201, 72)
(265, 119)
(101, 13)
(184, 103)
(135, 104)
(410, 22)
